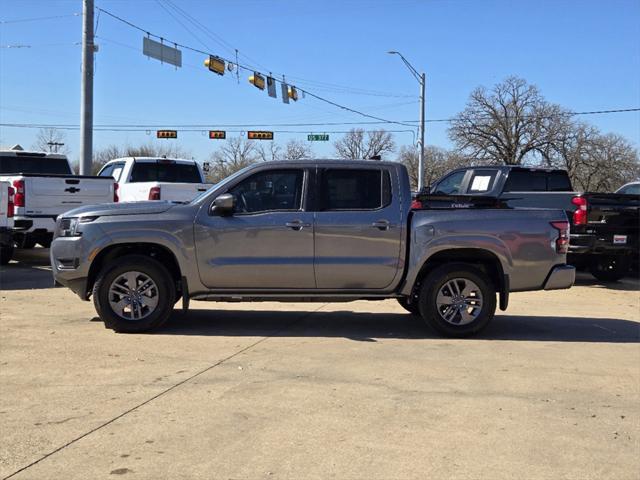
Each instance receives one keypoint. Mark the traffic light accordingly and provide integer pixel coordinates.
(215, 64)
(293, 93)
(167, 134)
(257, 80)
(217, 134)
(259, 135)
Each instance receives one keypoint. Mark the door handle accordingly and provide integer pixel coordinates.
(297, 224)
(381, 225)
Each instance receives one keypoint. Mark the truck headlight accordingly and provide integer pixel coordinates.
(71, 227)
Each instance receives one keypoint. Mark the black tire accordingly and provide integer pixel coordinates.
(27, 243)
(610, 269)
(460, 273)
(412, 307)
(166, 294)
(6, 253)
(45, 243)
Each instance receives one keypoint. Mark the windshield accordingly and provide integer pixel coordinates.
(165, 171)
(34, 164)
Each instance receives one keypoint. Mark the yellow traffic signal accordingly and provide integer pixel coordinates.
(257, 80)
(217, 134)
(166, 134)
(293, 93)
(259, 135)
(215, 64)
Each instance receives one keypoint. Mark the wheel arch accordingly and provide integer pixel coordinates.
(148, 249)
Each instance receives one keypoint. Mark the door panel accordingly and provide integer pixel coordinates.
(357, 248)
(266, 244)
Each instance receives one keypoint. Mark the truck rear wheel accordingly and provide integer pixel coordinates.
(134, 294)
(457, 300)
(610, 269)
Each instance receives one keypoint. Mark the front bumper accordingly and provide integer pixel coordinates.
(560, 277)
(70, 264)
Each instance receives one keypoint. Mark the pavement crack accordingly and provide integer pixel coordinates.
(165, 391)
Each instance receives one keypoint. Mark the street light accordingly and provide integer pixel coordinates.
(422, 80)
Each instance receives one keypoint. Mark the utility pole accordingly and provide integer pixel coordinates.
(55, 145)
(86, 94)
(422, 79)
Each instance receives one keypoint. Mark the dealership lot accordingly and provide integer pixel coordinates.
(356, 390)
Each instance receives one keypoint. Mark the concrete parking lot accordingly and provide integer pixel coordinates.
(349, 391)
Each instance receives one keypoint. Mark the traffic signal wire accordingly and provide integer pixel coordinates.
(250, 69)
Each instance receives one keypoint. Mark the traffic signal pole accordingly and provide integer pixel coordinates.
(86, 93)
(423, 81)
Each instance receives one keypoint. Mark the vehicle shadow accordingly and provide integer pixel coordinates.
(370, 327)
(629, 283)
(28, 270)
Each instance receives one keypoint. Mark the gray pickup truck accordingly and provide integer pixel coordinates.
(308, 231)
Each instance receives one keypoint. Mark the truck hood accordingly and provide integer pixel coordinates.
(124, 208)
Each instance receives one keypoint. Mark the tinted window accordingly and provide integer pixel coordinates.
(355, 189)
(633, 189)
(450, 185)
(165, 172)
(34, 164)
(558, 182)
(106, 171)
(525, 181)
(482, 181)
(272, 190)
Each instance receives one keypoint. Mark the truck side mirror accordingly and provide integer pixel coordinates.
(223, 205)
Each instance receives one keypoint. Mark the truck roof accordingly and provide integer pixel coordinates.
(153, 159)
(332, 162)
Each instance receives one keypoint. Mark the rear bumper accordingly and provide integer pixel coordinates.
(560, 277)
(29, 224)
(601, 245)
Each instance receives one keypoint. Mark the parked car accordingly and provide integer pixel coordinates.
(6, 222)
(632, 188)
(605, 227)
(147, 178)
(45, 186)
(308, 231)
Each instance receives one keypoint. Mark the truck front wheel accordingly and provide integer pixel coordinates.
(457, 300)
(134, 294)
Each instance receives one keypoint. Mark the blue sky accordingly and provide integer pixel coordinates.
(584, 55)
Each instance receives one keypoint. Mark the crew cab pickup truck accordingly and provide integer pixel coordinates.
(45, 186)
(6, 222)
(605, 227)
(308, 231)
(146, 178)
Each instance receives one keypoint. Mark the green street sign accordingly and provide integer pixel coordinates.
(318, 138)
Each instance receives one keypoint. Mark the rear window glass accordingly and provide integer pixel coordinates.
(525, 182)
(355, 189)
(165, 172)
(34, 164)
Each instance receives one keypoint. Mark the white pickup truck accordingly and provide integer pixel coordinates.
(150, 178)
(45, 186)
(6, 222)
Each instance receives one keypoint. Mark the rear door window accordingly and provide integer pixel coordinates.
(355, 189)
(482, 181)
(113, 170)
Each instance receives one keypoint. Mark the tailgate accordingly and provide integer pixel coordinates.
(614, 216)
(54, 195)
(181, 192)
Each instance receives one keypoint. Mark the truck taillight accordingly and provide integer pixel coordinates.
(562, 241)
(580, 215)
(154, 193)
(10, 207)
(116, 198)
(19, 195)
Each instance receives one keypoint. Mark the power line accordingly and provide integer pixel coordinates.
(35, 19)
(248, 69)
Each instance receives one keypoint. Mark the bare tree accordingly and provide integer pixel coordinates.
(51, 140)
(438, 161)
(297, 150)
(270, 152)
(357, 145)
(236, 154)
(510, 124)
